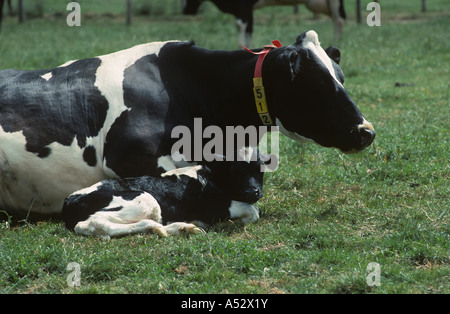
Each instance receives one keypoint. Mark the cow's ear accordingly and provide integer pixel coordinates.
(334, 53)
(294, 63)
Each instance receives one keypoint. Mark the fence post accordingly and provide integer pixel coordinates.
(358, 11)
(424, 5)
(21, 11)
(128, 12)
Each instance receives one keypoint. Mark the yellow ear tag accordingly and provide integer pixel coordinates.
(261, 102)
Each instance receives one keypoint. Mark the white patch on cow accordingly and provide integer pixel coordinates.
(186, 171)
(140, 215)
(247, 154)
(40, 185)
(168, 163)
(311, 42)
(88, 190)
(47, 76)
(243, 212)
(365, 125)
(67, 63)
(293, 135)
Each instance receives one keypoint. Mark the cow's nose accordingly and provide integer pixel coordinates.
(367, 136)
(253, 194)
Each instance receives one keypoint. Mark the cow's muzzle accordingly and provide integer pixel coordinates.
(367, 136)
(364, 138)
(366, 133)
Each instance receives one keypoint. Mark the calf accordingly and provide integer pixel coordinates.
(203, 194)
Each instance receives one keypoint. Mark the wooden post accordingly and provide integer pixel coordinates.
(358, 11)
(128, 12)
(424, 5)
(21, 11)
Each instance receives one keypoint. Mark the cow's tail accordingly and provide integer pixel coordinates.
(342, 9)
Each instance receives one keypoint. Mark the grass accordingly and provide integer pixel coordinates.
(326, 215)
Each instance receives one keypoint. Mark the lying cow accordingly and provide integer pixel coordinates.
(66, 128)
(243, 11)
(203, 195)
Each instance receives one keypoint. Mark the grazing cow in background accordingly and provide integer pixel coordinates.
(66, 128)
(203, 195)
(243, 11)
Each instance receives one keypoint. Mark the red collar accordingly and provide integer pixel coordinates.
(258, 87)
(262, 55)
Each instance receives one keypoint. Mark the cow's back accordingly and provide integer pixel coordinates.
(48, 122)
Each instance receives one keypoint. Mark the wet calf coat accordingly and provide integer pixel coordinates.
(201, 194)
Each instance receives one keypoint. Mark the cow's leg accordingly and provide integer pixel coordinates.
(330, 8)
(123, 217)
(104, 228)
(244, 38)
(338, 20)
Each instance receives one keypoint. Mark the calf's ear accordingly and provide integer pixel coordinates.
(334, 53)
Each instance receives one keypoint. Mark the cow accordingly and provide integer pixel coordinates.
(177, 202)
(66, 128)
(243, 11)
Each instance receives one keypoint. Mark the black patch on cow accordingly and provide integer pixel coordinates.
(65, 106)
(89, 156)
(134, 141)
(40, 151)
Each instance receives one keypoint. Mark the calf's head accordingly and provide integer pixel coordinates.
(240, 176)
(305, 85)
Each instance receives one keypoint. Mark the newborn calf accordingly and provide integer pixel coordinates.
(171, 204)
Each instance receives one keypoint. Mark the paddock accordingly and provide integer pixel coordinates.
(326, 217)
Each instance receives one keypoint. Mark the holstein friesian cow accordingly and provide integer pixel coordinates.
(66, 128)
(203, 194)
(243, 11)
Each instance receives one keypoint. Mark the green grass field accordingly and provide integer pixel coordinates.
(326, 215)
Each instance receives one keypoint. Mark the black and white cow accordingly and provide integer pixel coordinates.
(243, 11)
(66, 128)
(203, 194)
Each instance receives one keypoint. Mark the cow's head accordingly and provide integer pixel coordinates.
(309, 100)
(190, 7)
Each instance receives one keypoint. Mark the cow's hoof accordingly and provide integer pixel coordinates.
(190, 229)
(159, 230)
(179, 228)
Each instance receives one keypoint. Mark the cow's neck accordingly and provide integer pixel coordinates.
(217, 86)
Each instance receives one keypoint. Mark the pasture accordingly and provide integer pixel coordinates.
(325, 215)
